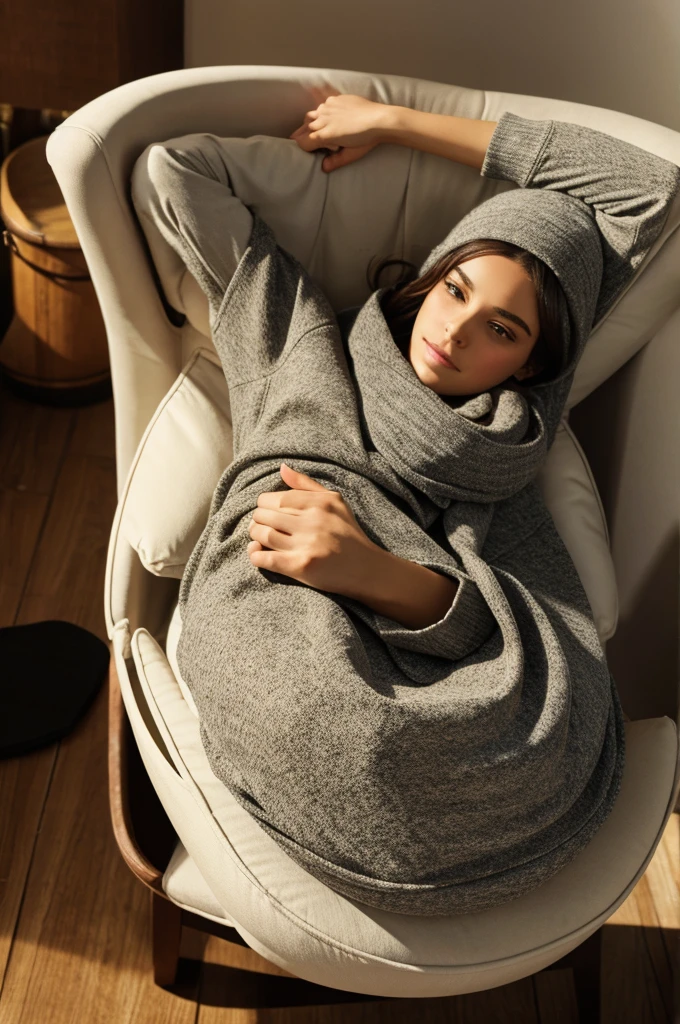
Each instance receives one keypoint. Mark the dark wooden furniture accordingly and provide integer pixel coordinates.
(61, 54)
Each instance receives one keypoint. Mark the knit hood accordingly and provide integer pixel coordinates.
(562, 232)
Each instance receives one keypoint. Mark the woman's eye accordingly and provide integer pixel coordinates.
(457, 294)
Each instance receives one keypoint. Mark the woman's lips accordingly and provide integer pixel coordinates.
(439, 356)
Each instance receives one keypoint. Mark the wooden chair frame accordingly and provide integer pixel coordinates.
(146, 840)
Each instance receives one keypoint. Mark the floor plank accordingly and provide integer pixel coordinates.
(655, 901)
(82, 951)
(663, 879)
(82, 948)
(24, 783)
(642, 946)
(94, 431)
(556, 997)
(67, 576)
(21, 518)
(631, 991)
(229, 997)
(32, 440)
(32, 443)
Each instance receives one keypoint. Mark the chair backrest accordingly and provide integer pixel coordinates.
(395, 201)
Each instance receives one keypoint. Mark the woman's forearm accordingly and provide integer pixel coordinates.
(407, 592)
(462, 139)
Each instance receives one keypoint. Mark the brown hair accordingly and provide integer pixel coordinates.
(403, 299)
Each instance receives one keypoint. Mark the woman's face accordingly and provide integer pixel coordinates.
(482, 318)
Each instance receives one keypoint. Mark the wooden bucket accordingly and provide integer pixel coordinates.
(55, 349)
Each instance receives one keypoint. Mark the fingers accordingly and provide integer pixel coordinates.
(299, 480)
(293, 501)
(278, 520)
(303, 129)
(270, 538)
(335, 160)
(343, 156)
(312, 124)
(262, 559)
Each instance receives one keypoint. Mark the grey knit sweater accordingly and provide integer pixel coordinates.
(455, 767)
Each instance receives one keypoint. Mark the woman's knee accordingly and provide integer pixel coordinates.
(152, 177)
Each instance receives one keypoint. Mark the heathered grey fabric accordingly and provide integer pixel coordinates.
(452, 768)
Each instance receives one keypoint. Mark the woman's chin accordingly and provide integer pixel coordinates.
(431, 379)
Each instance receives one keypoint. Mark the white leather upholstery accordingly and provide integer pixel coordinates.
(229, 868)
(181, 457)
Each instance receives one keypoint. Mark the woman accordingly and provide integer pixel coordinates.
(393, 659)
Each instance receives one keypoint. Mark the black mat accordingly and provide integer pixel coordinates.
(50, 672)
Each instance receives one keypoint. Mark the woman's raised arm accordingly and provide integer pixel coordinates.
(353, 125)
(182, 194)
(628, 189)
(462, 139)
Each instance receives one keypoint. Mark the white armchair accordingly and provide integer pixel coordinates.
(173, 440)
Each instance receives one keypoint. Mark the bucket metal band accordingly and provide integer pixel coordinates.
(53, 275)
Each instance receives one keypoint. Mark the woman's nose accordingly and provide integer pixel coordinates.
(456, 333)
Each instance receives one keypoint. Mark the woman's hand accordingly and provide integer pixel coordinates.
(351, 126)
(310, 534)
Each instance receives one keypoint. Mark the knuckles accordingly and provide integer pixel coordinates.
(333, 502)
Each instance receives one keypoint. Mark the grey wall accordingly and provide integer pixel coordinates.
(619, 54)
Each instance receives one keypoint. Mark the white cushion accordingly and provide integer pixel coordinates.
(183, 453)
(184, 884)
(188, 445)
(294, 920)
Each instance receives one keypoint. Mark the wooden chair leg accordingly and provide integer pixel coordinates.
(166, 929)
(586, 961)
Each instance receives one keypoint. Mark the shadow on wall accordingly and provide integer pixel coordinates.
(643, 669)
(617, 54)
(628, 429)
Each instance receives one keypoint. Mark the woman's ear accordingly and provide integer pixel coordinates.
(525, 371)
(531, 368)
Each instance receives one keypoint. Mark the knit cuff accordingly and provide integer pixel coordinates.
(466, 625)
(515, 148)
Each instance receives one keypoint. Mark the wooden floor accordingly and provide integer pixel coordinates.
(74, 923)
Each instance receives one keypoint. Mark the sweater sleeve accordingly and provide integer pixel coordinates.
(628, 189)
(467, 623)
(183, 197)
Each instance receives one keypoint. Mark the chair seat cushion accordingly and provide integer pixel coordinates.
(294, 920)
(188, 444)
(185, 885)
